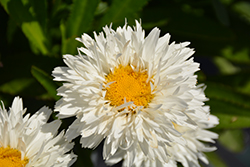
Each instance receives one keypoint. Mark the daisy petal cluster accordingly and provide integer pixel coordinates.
(137, 93)
(187, 154)
(31, 141)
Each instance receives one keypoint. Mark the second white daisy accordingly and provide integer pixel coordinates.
(31, 141)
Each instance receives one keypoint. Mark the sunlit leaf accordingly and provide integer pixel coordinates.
(46, 81)
(29, 25)
(34, 33)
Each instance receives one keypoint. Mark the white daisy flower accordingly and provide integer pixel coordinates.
(187, 154)
(30, 141)
(131, 90)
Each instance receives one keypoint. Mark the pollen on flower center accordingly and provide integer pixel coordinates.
(128, 84)
(11, 157)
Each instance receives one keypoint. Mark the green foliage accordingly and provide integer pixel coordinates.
(22, 14)
(243, 8)
(235, 144)
(35, 34)
(79, 21)
(119, 10)
(15, 86)
(46, 81)
(215, 160)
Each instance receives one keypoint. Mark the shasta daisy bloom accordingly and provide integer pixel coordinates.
(31, 141)
(132, 91)
(187, 154)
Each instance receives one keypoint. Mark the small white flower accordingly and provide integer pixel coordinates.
(133, 92)
(31, 141)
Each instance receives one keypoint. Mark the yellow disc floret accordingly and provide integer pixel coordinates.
(126, 83)
(10, 157)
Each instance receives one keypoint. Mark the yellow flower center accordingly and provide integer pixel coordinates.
(130, 85)
(10, 157)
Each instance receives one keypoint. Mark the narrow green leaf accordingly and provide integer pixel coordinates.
(232, 122)
(30, 26)
(82, 14)
(34, 33)
(70, 46)
(236, 55)
(231, 106)
(230, 115)
(80, 20)
(119, 10)
(4, 4)
(39, 9)
(227, 94)
(11, 29)
(46, 81)
(15, 86)
(236, 142)
(225, 66)
(239, 82)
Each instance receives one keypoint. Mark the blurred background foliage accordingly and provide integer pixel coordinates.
(34, 34)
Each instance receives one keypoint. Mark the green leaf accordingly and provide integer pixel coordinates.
(240, 82)
(80, 20)
(225, 66)
(70, 45)
(16, 86)
(236, 142)
(243, 8)
(231, 106)
(11, 29)
(230, 115)
(46, 81)
(222, 92)
(39, 10)
(101, 8)
(119, 10)
(236, 55)
(215, 160)
(34, 33)
(30, 26)
(82, 14)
